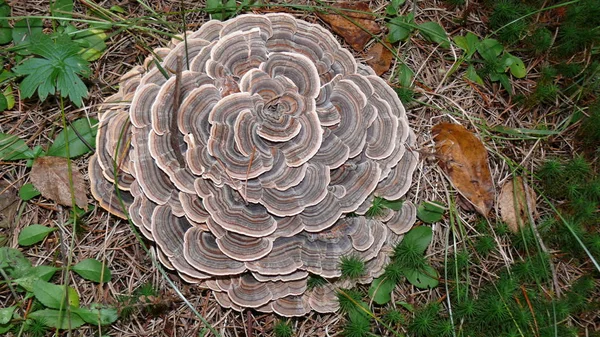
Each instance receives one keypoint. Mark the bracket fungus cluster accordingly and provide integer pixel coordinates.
(250, 154)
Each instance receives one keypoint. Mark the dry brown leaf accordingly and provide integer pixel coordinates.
(515, 202)
(464, 159)
(379, 57)
(360, 18)
(9, 203)
(50, 176)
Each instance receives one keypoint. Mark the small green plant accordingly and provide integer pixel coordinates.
(223, 10)
(430, 211)
(576, 184)
(380, 203)
(79, 137)
(511, 305)
(57, 69)
(589, 131)
(55, 306)
(495, 61)
(60, 59)
(401, 27)
(352, 267)
(408, 261)
(145, 299)
(315, 281)
(283, 329)
(510, 21)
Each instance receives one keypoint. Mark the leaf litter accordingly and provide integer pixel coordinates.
(464, 159)
(50, 176)
(515, 203)
(355, 22)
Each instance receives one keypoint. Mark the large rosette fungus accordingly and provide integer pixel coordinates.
(254, 165)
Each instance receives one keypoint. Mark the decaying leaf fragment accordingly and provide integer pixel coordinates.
(9, 203)
(515, 202)
(379, 57)
(352, 21)
(50, 176)
(464, 159)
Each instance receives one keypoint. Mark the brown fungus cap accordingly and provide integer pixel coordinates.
(261, 172)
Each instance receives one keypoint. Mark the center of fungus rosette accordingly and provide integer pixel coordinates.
(288, 84)
(273, 114)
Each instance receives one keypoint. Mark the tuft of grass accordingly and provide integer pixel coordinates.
(540, 41)
(352, 267)
(348, 299)
(508, 19)
(425, 320)
(315, 281)
(394, 317)
(283, 329)
(590, 127)
(485, 245)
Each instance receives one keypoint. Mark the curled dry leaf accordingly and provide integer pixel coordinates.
(379, 57)
(50, 176)
(464, 159)
(352, 21)
(515, 202)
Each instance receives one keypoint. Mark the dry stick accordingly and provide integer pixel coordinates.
(176, 104)
(537, 329)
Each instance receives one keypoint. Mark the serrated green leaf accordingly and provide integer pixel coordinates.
(28, 192)
(57, 70)
(6, 314)
(97, 315)
(381, 290)
(430, 212)
(426, 278)
(53, 296)
(434, 32)
(420, 237)
(58, 319)
(80, 134)
(93, 270)
(13, 148)
(33, 234)
(399, 28)
(62, 8)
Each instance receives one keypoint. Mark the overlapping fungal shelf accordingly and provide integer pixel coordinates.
(253, 166)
